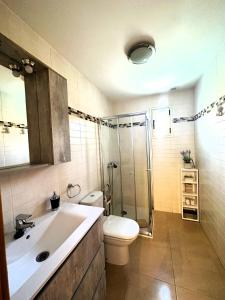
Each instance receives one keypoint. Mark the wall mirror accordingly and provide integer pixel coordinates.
(34, 122)
(14, 147)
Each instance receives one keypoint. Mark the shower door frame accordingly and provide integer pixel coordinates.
(148, 160)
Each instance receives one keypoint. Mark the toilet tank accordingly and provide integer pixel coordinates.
(93, 199)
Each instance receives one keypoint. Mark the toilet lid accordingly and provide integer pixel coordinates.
(119, 227)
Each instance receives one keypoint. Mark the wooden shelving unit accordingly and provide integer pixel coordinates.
(189, 194)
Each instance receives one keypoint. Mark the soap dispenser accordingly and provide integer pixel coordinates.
(55, 201)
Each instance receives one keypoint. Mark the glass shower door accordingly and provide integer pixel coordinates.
(142, 171)
(111, 172)
(126, 167)
(127, 164)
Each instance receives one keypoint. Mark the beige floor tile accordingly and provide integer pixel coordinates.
(194, 261)
(209, 283)
(148, 259)
(143, 287)
(161, 236)
(127, 285)
(116, 282)
(184, 294)
(179, 253)
(188, 239)
(161, 239)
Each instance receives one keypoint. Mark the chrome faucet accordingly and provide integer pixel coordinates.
(22, 225)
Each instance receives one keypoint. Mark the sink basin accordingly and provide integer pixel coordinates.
(48, 234)
(32, 259)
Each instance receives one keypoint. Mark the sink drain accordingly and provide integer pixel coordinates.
(42, 256)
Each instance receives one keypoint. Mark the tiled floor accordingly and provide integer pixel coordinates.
(178, 264)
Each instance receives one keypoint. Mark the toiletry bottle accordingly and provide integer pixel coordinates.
(55, 201)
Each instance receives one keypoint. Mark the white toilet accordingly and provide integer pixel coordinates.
(119, 232)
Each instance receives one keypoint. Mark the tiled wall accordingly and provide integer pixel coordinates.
(166, 150)
(28, 190)
(210, 152)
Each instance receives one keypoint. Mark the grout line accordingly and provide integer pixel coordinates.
(172, 263)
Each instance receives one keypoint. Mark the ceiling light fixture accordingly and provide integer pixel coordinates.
(15, 70)
(28, 65)
(140, 53)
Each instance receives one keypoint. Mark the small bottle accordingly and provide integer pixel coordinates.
(55, 201)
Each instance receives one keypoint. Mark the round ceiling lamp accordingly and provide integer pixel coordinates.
(140, 53)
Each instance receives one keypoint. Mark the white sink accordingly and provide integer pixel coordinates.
(57, 233)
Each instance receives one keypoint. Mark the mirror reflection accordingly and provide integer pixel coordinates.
(14, 149)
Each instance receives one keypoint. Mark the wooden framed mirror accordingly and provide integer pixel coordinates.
(46, 108)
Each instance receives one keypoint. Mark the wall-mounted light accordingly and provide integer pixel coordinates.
(15, 69)
(28, 65)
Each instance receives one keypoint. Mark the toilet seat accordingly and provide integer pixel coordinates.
(120, 228)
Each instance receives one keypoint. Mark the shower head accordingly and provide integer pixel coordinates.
(112, 164)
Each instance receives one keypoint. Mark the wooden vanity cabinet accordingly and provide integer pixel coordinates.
(82, 275)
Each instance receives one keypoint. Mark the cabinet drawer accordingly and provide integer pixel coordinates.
(65, 281)
(90, 281)
(100, 293)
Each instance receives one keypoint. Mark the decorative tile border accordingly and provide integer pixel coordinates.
(11, 124)
(83, 115)
(209, 108)
(197, 116)
(103, 122)
(183, 119)
(219, 104)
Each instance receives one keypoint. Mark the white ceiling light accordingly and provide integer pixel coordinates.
(140, 53)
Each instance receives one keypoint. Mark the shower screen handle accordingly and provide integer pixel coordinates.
(148, 170)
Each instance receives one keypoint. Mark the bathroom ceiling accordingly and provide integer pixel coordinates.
(94, 35)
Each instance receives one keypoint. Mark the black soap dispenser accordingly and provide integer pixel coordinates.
(55, 201)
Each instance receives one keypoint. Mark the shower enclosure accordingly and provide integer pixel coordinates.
(126, 167)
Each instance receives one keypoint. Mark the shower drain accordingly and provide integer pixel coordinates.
(42, 256)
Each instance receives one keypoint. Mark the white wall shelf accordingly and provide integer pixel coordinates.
(189, 195)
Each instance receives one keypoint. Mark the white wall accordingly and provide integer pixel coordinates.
(166, 150)
(28, 191)
(210, 151)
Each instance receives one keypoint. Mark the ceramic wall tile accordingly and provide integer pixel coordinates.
(165, 150)
(210, 142)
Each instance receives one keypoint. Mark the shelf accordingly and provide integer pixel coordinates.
(22, 167)
(189, 219)
(189, 182)
(190, 206)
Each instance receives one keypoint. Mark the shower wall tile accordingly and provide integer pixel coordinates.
(166, 156)
(210, 152)
(29, 190)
